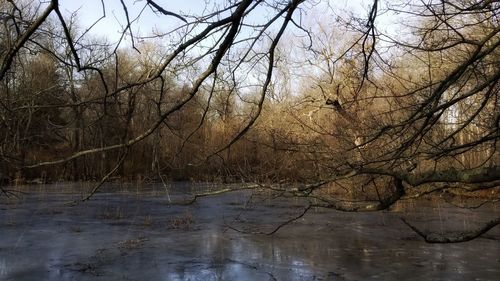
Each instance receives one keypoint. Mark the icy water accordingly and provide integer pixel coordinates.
(133, 233)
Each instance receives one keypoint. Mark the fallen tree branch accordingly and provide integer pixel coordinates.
(364, 205)
(439, 238)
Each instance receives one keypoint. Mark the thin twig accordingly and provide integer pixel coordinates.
(105, 178)
(281, 225)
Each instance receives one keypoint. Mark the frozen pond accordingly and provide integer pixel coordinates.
(134, 234)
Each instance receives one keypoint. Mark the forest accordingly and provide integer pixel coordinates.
(310, 99)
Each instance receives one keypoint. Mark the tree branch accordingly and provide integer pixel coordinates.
(9, 58)
(437, 238)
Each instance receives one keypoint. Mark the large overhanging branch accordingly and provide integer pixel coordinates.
(450, 175)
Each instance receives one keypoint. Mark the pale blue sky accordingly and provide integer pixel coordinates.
(91, 10)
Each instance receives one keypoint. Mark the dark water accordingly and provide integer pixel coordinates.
(134, 234)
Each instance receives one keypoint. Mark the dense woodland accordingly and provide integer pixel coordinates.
(401, 99)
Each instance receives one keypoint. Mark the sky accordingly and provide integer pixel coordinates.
(90, 11)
